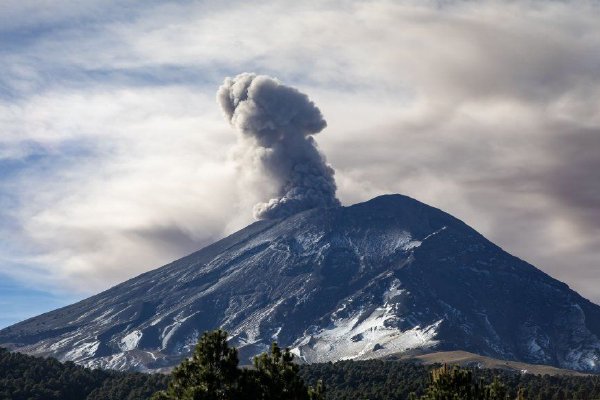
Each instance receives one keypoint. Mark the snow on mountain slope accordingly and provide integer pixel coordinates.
(377, 278)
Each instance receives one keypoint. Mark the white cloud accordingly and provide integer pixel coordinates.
(487, 109)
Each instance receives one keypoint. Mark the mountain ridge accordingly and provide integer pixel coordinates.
(376, 278)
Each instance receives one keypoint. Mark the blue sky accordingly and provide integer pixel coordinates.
(115, 158)
(20, 302)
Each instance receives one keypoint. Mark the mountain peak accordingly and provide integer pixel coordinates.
(386, 276)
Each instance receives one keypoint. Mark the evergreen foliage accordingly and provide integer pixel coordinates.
(370, 379)
(451, 384)
(394, 380)
(213, 374)
(458, 384)
(24, 377)
(276, 376)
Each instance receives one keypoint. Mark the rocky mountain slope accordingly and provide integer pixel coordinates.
(386, 276)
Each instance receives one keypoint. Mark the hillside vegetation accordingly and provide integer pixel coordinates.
(24, 377)
(31, 378)
(395, 380)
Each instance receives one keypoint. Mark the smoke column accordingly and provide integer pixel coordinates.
(276, 123)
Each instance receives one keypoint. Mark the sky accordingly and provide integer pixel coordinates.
(116, 159)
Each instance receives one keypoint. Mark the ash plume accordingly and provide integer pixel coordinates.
(276, 124)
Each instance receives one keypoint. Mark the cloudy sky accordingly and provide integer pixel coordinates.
(116, 159)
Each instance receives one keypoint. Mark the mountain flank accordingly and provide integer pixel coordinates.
(391, 275)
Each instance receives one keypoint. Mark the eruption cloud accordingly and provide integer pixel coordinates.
(276, 124)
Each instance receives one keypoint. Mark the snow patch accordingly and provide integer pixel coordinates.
(275, 335)
(434, 233)
(82, 352)
(364, 335)
(104, 317)
(393, 292)
(170, 330)
(583, 359)
(118, 361)
(61, 343)
(251, 326)
(413, 244)
(130, 341)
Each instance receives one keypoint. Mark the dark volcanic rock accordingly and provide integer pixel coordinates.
(381, 277)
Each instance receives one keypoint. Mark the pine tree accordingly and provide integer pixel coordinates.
(277, 376)
(211, 374)
(317, 393)
(450, 384)
(495, 390)
(457, 384)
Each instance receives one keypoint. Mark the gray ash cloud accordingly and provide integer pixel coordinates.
(277, 124)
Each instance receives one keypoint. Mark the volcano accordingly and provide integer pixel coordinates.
(388, 276)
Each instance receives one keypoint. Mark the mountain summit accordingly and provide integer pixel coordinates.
(387, 276)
